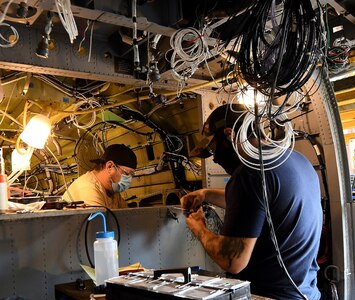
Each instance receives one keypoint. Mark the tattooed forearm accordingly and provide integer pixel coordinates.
(228, 252)
(231, 248)
(200, 234)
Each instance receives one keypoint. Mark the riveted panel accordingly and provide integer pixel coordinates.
(41, 250)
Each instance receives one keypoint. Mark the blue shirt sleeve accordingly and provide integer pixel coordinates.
(245, 214)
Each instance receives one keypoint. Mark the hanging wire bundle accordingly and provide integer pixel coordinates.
(87, 104)
(66, 17)
(279, 45)
(189, 50)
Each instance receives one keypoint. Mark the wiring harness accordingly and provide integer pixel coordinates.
(279, 45)
(338, 55)
(276, 47)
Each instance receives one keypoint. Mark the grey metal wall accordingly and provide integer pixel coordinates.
(327, 118)
(43, 249)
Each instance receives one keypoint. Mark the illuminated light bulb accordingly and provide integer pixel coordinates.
(36, 132)
(20, 161)
(247, 97)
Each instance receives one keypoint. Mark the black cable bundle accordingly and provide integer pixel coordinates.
(280, 45)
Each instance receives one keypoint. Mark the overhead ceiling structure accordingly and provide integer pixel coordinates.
(56, 54)
(146, 53)
(103, 49)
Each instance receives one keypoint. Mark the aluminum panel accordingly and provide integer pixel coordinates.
(40, 252)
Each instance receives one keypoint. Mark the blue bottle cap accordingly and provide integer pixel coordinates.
(105, 234)
(102, 234)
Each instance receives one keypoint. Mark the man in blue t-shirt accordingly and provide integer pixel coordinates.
(280, 266)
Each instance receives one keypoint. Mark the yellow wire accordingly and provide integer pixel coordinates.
(25, 114)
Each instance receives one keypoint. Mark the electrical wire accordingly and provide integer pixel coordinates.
(188, 44)
(273, 155)
(4, 12)
(275, 60)
(77, 92)
(98, 143)
(60, 167)
(66, 17)
(181, 159)
(13, 38)
(338, 58)
(91, 39)
(28, 179)
(190, 49)
(89, 104)
(283, 55)
(83, 38)
(173, 100)
(4, 113)
(267, 208)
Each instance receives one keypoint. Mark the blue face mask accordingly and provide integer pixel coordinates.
(123, 185)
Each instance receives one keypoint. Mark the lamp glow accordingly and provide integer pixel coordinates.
(36, 131)
(247, 97)
(20, 161)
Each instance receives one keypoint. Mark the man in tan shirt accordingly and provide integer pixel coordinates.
(102, 186)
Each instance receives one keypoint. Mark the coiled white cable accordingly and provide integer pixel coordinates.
(188, 44)
(14, 37)
(190, 50)
(273, 153)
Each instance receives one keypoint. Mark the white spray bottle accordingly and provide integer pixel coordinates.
(105, 253)
(3, 186)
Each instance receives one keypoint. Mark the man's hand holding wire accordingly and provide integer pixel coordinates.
(192, 201)
(196, 221)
